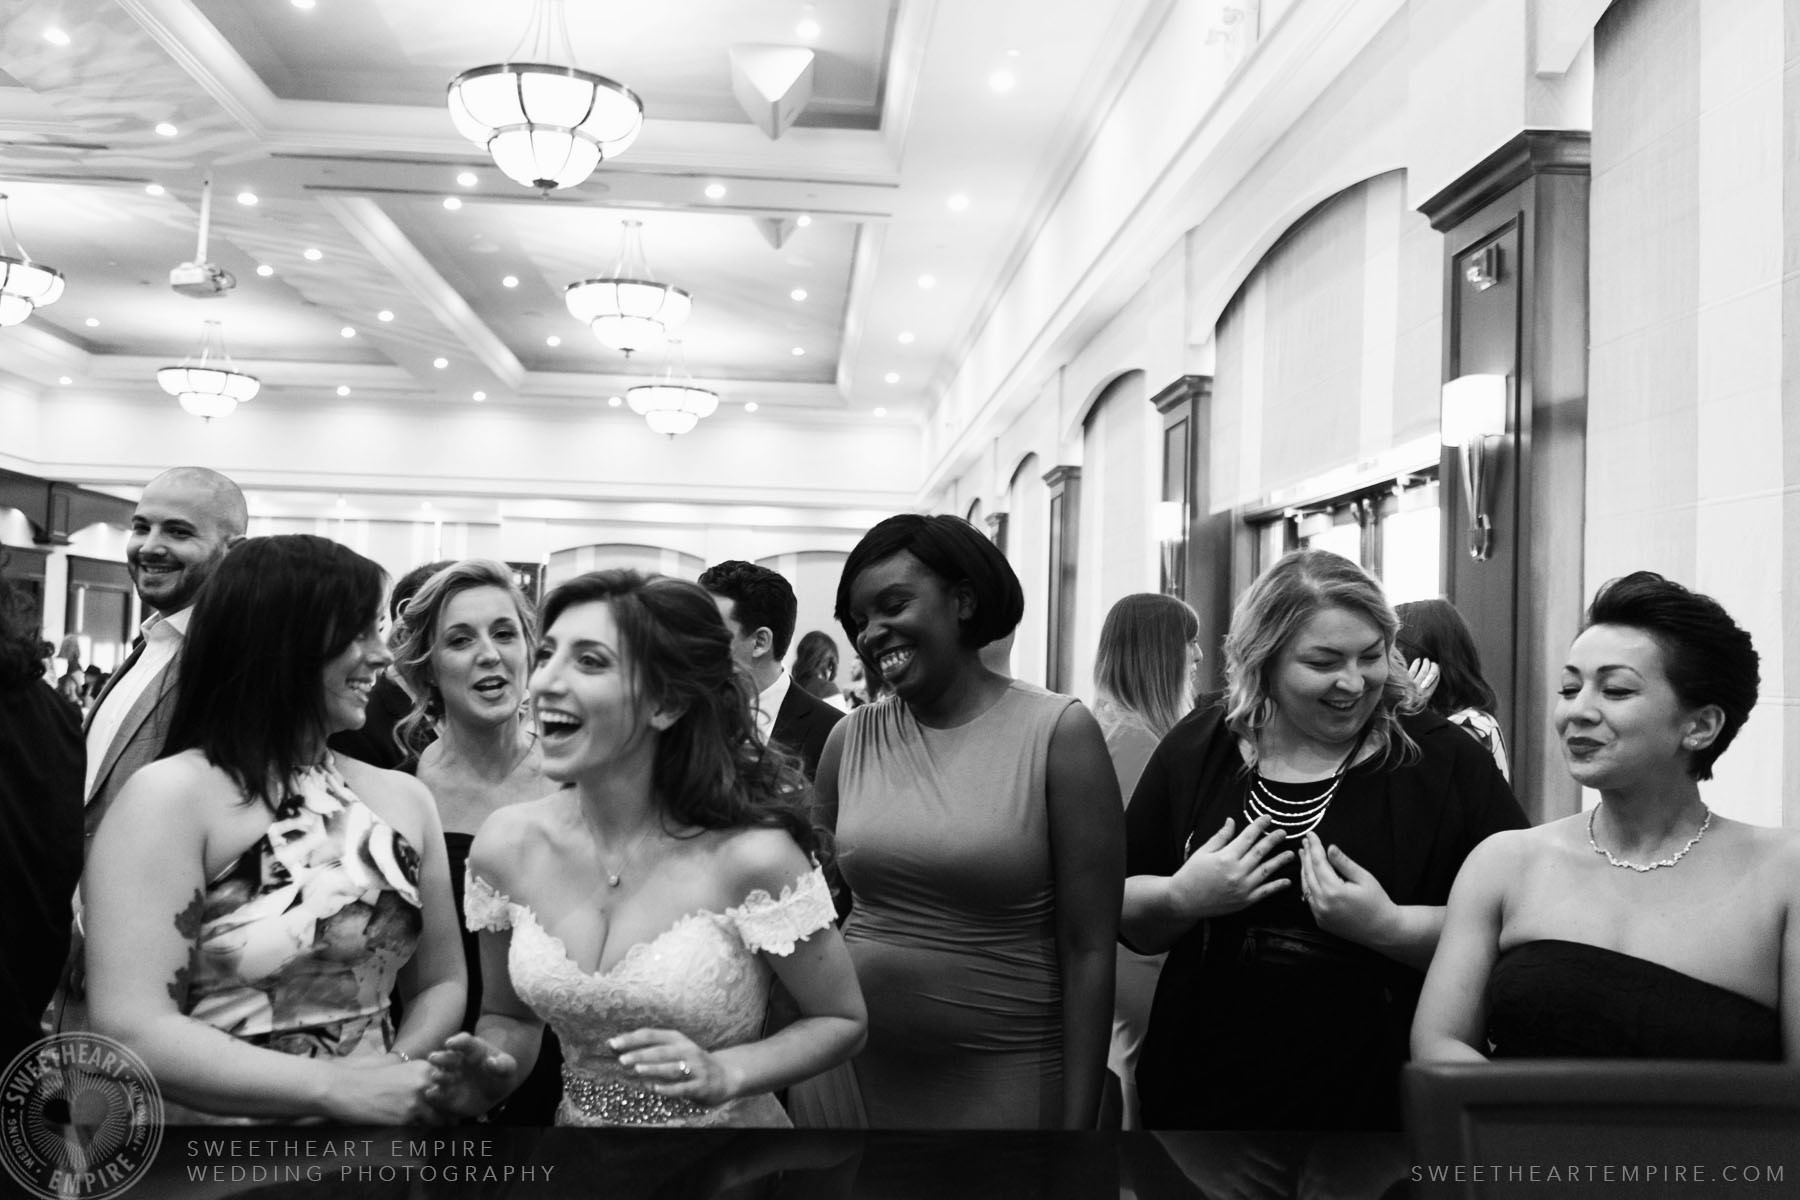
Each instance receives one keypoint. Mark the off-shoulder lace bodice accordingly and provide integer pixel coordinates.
(702, 976)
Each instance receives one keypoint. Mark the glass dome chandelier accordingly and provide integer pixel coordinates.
(213, 386)
(628, 310)
(25, 286)
(674, 403)
(545, 126)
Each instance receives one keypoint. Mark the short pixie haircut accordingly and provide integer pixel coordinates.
(1707, 658)
(1271, 613)
(954, 551)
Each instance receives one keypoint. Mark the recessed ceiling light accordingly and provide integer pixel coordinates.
(715, 191)
(65, 381)
(927, 282)
(155, 189)
(425, 504)
(881, 412)
(348, 331)
(807, 30)
(304, 4)
(56, 37)
(906, 337)
(92, 322)
(958, 202)
(166, 129)
(510, 281)
(340, 502)
(1001, 81)
(798, 351)
(452, 202)
(749, 406)
(386, 314)
(803, 220)
(440, 363)
(265, 270)
(479, 397)
(342, 390)
(311, 255)
(892, 377)
(247, 199)
(797, 294)
(1012, 54)
(613, 401)
(553, 341)
(467, 179)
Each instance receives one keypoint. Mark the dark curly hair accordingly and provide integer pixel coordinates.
(711, 770)
(956, 552)
(251, 694)
(1708, 659)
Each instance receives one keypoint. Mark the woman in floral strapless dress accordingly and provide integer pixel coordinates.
(644, 910)
(251, 901)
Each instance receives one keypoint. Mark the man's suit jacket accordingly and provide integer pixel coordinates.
(802, 724)
(139, 740)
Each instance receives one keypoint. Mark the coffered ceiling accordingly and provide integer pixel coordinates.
(897, 204)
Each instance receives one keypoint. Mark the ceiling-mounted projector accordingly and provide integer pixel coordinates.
(200, 279)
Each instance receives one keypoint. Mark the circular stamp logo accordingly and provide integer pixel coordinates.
(80, 1118)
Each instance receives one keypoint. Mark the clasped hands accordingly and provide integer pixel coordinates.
(1234, 869)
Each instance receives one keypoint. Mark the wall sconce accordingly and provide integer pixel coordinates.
(1474, 418)
(1169, 523)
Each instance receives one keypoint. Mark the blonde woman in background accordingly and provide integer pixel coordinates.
(1144, 674)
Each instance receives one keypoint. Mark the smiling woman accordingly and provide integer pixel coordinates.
(1292, 844)
(252, 901)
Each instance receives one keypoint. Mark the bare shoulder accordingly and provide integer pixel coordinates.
(1769, 852)
(760, 857)
(184, 785)
(513, 835)
(1505, 856)
(396, 797)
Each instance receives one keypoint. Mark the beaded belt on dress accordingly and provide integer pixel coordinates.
(616, 1102)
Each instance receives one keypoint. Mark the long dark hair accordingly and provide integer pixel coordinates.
(19, 661)
(251, 694)
(711, 769)
(1434, 629)
(1141, 663)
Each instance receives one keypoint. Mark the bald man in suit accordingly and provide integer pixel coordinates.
(185, 522)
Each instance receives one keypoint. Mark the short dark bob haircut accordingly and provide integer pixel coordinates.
(1707, 658)
(711, 769)
(954, 551)
(251, 692)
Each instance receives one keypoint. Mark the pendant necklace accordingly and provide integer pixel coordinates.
(1641, 868)
(616, 876)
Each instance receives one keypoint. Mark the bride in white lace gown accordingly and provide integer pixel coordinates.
(644, 909)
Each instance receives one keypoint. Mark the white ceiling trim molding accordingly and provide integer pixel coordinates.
(30, 353)
(378, 235)
(1291, 66)
(906, 56)
(865, 259)
(193, 43)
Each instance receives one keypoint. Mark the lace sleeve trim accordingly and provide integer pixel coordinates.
(484, 909)
(775, 925)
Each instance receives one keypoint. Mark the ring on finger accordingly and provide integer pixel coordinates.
(683, 1067)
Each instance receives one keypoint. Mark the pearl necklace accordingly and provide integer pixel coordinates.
(1640, 868)
(616, 876)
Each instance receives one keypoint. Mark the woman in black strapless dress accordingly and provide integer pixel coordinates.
(1649, 926)
(463, 649)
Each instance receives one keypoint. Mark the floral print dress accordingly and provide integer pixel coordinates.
(300, 940)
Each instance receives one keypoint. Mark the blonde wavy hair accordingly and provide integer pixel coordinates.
(415, 633)
(1272, 611)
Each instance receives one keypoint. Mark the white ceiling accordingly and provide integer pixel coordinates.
(334, 118)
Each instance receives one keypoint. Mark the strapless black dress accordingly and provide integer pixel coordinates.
(1555, 999)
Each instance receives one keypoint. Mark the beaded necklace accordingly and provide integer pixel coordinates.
(1297, 818)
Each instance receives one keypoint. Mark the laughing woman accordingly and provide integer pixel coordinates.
(978, 826)
(642, 911)
(1292, 845)
(1651, 927)
(250, 899)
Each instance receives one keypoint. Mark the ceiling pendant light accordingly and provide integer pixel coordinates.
(674, 403)
(25, 286)
(627, 309)
(545, 126)
(212, 386)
